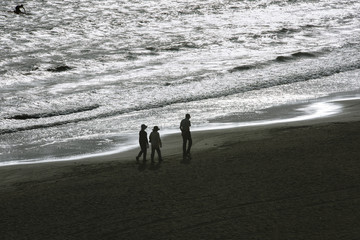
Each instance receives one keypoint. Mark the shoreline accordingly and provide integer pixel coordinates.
(275, 115)
(295, 180)
(173, 141)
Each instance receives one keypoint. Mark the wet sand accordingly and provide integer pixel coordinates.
(295, 180)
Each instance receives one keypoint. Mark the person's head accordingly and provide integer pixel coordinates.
(187, 116)
(143, 126)
(156, 128)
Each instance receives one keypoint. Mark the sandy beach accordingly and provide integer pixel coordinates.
(296, 180)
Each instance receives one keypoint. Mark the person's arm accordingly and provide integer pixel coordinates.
(160, 143)
(181, 125)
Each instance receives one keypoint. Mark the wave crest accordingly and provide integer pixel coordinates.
(53, 114)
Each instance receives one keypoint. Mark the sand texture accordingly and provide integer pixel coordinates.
(289, 181)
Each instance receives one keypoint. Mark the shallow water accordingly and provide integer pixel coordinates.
(80, 77)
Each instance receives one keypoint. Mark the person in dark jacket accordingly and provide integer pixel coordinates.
(18, 9)
(155, 144)
(186, 136)
(144, 143)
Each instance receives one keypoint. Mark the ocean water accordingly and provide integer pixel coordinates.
(79, 77)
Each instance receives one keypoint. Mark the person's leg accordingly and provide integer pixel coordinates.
(139, 155)
(159, 154)
(190, 144)
(184, 144)
(152, 154)
(144, 151)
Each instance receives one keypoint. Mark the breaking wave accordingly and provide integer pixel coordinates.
(291, 57)
(53, 114)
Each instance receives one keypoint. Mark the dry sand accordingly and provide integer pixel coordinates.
(287, 181)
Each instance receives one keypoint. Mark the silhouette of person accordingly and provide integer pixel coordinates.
(143, 142)
(186, 135)
(18, 9)
(156, 144)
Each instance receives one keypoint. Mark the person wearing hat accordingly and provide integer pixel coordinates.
(155, 143)
(186, 135)
(144, 144)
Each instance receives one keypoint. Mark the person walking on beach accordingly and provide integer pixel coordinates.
(186, 136)
(144, 144)
(156, 144)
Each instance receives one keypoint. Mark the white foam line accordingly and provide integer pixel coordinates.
(312, 111)
(78, 157)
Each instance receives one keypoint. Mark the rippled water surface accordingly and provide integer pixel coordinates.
(78, 77)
